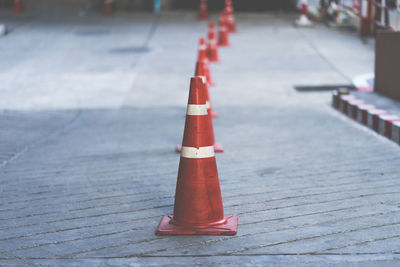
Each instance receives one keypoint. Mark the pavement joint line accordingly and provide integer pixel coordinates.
(79, 194)
(359, 243)
(57, 171)
(313, 237)
(40, 177)
(35, 224)
(30, 170)
(365, 173)
(146, 43)
(277, 175)
(75, 239)
(41, 140)
(268, 201)
(322, 212)
(331, 186)
(250, 234)
(69, 229)
(96, 249)
(209, 255)
(217, 240)
(149, 199)
(23, 201)
(322, 56)
(242, 224)
(313, 203)
(79, 166)
(275, 208)
(127, 172)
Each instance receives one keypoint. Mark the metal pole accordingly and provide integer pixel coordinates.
(383, 12)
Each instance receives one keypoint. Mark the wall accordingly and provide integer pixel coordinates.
(387, 64)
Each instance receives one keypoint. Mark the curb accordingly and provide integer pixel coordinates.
(378, 120)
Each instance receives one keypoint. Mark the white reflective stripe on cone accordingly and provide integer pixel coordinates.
(202, 47)
(197, 153)
(196, 110)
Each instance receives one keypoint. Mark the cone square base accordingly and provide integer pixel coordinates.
(166, 228)
(214, 114)
(224, 45)
(218, 148)
(214, 60)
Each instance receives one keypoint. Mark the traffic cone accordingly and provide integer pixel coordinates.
(17, 9)
(198, 208)
(230, 17)
(204, 68)
(202, 53)
(108, 9)
(203, 13)
(223, 39)
(212, 48)
(217, 147)
(303, 20)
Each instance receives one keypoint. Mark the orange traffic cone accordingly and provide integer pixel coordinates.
(202, 53)
(303, 21)
(203, 13)
(223, 39)
(203, 69)
(17, 9)
(212, 48)
(108, 9)
(198, 208)
(217, 147)
(230, 17)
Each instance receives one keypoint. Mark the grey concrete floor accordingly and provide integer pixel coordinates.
(92, 108)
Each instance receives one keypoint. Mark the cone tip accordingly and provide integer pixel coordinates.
(202, 41)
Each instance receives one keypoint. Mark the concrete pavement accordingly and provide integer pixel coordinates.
(93, 108)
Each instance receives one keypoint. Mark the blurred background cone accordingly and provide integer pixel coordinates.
(210, 110)
(230, 17)
(203, 13)
(108, 8)
(223, 39)
(17, 7)
(202, 66)
(212, 47)
(303, 20)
